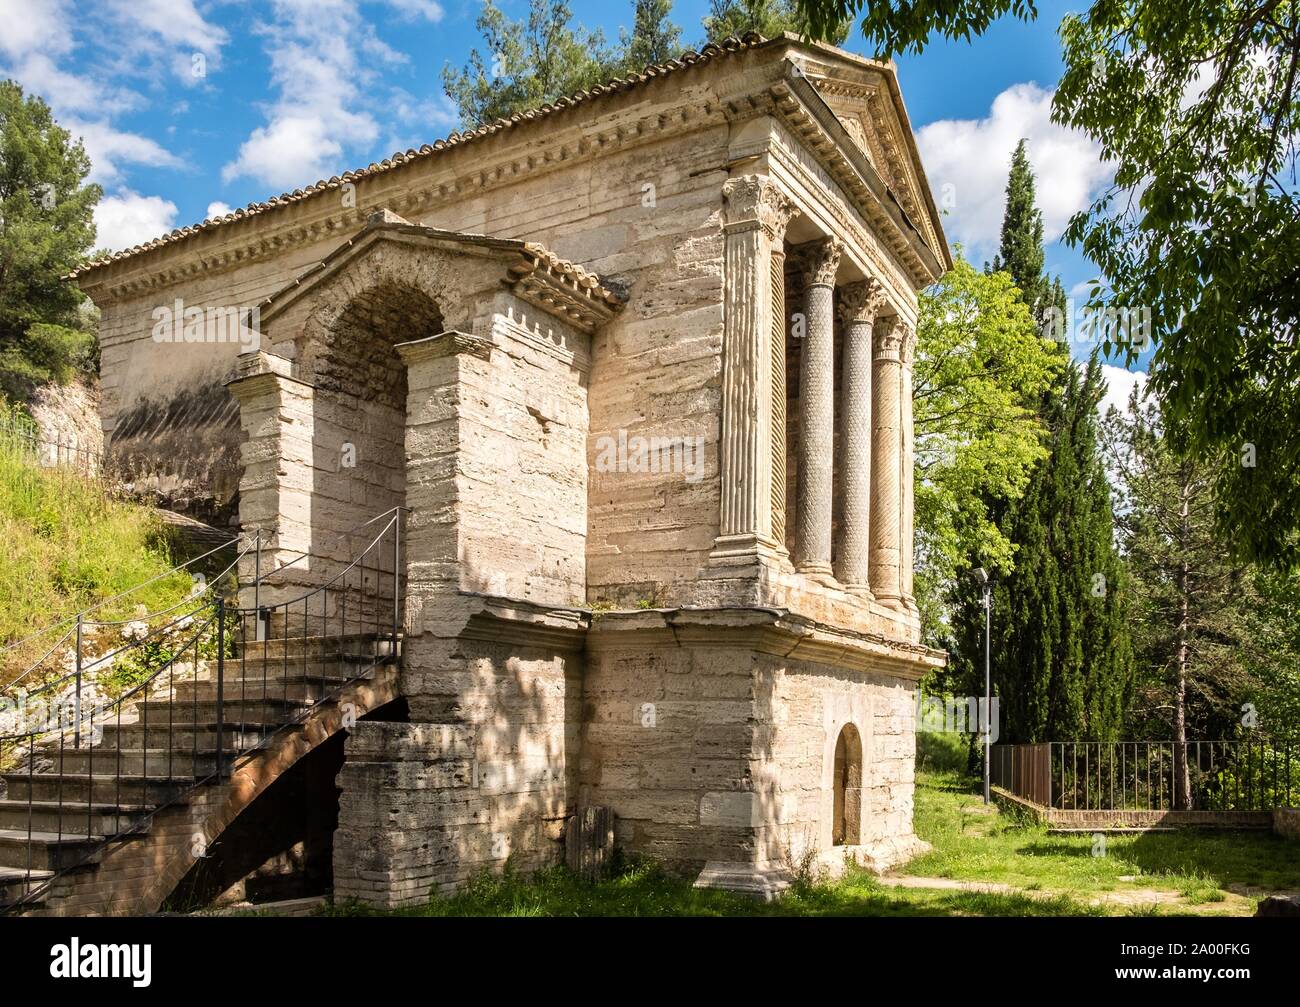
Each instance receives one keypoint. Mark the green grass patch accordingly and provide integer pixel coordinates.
(69, 543)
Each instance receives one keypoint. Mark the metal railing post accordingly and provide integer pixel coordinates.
(397, 543)
(76, 702)
(221, 687)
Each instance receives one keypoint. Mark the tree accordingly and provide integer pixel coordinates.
(1061, 649)
(46, 229)
(981, 370)
(1021, 250)
(767, 17)
(897, 27)
(1198, 104)
(654, 38)
(1192, 600)
(528, 62)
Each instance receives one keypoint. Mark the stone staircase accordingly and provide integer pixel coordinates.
(113, 826)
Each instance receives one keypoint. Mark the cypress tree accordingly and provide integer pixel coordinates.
(1062, 662)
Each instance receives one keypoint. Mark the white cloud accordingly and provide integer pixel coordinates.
(974, 157)
(414, 9)
(34, 26)
(128, 219)
(323, 63)
(1119, 386)
(110, 148)
(217, 209)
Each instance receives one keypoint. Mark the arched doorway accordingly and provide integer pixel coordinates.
(847, 783)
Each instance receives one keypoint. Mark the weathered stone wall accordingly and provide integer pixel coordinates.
(808, 704)
(1286, 822)
(482, 777)
(713, 746)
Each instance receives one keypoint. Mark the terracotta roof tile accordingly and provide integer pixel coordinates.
(456, 138)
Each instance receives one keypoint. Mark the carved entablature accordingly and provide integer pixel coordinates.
(755, 201)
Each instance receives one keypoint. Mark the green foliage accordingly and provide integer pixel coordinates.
(1198, 104)
(654, 38)
(68, 543)
(1021, 250)
(767, 17)
(1192, 601)
(1061, 654)
(528, 62)
(906, 25)
(981, 370)
(46, 229)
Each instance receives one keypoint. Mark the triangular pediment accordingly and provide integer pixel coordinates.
(867, 106)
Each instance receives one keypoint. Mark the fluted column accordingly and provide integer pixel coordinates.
(906, 474)
(756, 217)
(886, 445)
(817, 414)
(859, 303)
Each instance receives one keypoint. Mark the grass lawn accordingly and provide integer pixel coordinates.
(1033, 874)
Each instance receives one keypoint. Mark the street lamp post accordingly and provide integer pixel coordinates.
(987, 724)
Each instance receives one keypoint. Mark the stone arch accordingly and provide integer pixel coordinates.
(846, 783)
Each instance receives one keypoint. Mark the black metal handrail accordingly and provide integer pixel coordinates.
(1230, 775)
(191, 729)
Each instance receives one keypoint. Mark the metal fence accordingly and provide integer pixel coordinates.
(19, 436)
(1255, 774)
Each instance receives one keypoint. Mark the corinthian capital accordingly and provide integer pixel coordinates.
(887, 338)
(822, 261)
(756, 200)
(862, 301)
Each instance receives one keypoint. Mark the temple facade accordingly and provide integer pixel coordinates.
(636, 371)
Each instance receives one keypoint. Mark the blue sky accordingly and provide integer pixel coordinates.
(189, 107)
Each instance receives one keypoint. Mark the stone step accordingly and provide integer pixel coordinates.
(17, 882)
(367, 645)
(237, 713)
(78, 788)
(45, 851)
(68, 817)
(182, 738)
(292, 688)
(135, 761)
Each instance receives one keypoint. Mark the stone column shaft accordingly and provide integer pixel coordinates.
(886, 488)
(817, 415)
(756, 217)
(859, 303)
(907, 469)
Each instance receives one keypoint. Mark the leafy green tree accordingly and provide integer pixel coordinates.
(901, 25)
(654, 38)
(1061, 654)
(1021, 250)
(527, 63)
(46, 229)
(767, 17)
(1198, 104)
(982, 368)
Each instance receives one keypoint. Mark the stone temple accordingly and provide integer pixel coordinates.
(638, 367)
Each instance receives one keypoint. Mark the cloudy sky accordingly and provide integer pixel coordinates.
(190, 107)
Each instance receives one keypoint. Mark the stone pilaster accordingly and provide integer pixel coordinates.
(906, 519)
(276, 488)
(817, 414)
(886, 444)
(756, 216)
(859, 303)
